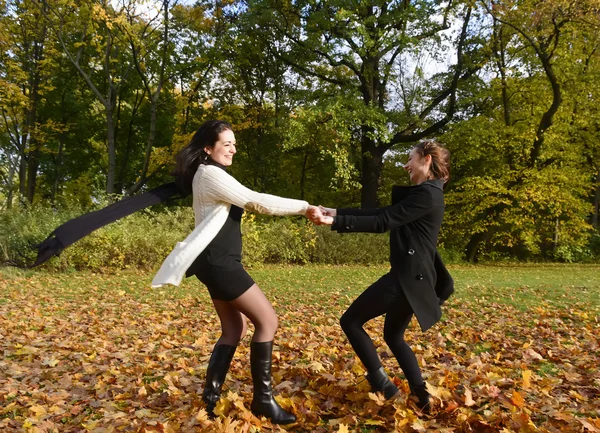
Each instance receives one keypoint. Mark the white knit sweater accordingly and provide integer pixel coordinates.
(214, 192)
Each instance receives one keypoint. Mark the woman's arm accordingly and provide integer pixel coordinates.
(413, 207)
(221, 186)
(359, 212)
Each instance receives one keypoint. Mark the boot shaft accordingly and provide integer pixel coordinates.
(218, 365)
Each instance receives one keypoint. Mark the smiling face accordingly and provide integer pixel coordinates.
(224, 148)
(418, 167)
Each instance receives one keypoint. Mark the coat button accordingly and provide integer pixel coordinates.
(419, 276)
(411, 252)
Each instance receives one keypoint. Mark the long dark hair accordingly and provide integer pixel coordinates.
(440, 158)
(191, 156)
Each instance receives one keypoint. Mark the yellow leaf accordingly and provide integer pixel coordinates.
(202, 415)
(50, 362)
(526, 378)
(469, 397)
(222, 407)
(316, 366)
(577, 395)
(38, 410)
(343, 428)
(377, 398)
(374, 422)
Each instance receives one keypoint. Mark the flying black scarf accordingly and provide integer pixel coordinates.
(83, 225)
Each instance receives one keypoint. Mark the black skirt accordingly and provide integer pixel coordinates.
(224, 283)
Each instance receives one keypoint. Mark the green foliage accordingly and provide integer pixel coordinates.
(144, 239)
(317, 94)
(354, 248)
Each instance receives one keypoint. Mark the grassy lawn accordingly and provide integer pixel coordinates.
(517, 349)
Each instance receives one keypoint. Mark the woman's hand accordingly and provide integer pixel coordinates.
(327, 211)
(315, 214)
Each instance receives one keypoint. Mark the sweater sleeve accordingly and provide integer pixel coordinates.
(221, 186)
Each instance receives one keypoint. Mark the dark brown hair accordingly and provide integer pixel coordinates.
(191, 156)
(440, 158)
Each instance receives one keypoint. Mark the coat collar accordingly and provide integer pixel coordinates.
(400, 192)
(436, 183)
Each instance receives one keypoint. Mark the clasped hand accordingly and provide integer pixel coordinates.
(320, 215)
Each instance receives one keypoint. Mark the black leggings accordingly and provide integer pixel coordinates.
(383, 297)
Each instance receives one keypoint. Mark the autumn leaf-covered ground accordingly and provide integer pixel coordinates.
(517, 351)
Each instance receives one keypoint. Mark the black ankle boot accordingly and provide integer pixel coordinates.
(263, 402)
(219, 363)
(422, 397)
(380, 382)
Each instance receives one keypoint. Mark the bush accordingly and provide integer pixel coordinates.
(141, 240)
(144, 239)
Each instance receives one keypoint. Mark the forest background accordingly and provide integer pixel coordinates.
(96, 98)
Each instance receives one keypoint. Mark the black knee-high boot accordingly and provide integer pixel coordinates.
(263, 402)
(219, 363)
(380, 382)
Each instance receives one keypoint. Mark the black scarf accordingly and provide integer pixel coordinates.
(83, 225)
(77, 228)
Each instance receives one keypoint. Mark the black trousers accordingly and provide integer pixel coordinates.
(385, 296)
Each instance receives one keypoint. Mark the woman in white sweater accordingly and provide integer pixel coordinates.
(212, 252)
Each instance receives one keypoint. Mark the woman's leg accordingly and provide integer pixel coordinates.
(233, 329)
(396, 322)
(255, 305)
(233, 323)
(370, 304)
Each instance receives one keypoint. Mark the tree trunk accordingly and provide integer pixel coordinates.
(473, 245)
(372, 164)
(9, 184)
(110, 138)
(32, 169)
(22, 167)
(303, 174)
(56, 182)
(596, 202)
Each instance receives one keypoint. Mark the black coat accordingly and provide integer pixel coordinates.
(414, 222)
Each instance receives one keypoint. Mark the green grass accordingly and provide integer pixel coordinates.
(521, 286)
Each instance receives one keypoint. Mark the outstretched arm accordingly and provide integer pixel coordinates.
(223, 187)
(416, 205)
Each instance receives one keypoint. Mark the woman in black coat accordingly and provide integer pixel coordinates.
(418, 283)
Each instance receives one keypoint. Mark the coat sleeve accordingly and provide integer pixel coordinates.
(220, 186)
(358, 212)
(418, 203)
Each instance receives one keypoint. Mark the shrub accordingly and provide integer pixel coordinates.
(144, 239)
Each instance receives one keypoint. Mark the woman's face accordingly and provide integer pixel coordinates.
(418, 167)
(224, 149)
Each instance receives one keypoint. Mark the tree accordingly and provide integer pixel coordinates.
(363, 50)
(87, 33)
(27, 66)
(519, 186)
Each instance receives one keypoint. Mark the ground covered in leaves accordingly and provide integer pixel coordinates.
(517, 351)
